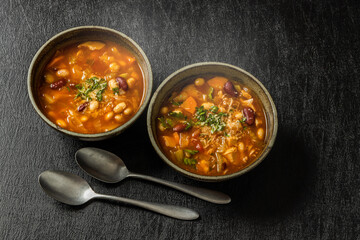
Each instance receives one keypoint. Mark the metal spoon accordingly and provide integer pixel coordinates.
(73, 190)
(107, 167)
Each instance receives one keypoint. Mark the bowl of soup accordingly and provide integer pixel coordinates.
(90, 82)
(212, 121)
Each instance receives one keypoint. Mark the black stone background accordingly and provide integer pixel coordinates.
(306, 53)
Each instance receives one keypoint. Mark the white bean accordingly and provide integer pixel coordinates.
(93, 105)
(120, 107)
(62, 73)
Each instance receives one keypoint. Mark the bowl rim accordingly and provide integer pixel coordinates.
(204, 177)
(86, 136)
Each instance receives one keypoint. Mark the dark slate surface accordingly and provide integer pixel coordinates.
(305, 52)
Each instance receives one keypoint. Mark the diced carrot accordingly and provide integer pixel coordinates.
(176, 137)
(169, 141)
(189, 105)
(55, 60)
(217, 82)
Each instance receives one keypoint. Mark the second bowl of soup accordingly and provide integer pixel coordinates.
(212, 121)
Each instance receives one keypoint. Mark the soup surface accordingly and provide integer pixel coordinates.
(212, 127)
(91, 87)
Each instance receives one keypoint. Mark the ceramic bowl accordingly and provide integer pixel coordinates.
(185, 76)
(80, 34)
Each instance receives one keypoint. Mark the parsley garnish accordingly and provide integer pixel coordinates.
(200, 113)
(91, 85)
(166, 122)
(192, 152)
(177, 115)
(242, 120)
(116, 91)
(214, 109)
(211, 91)
(213, 119)
(190, 161)
(188, 125)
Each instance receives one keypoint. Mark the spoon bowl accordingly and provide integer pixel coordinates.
(102, 165)
(107, 167)
(66, 187)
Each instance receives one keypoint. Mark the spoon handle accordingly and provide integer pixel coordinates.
(202, 193)
(167, 210)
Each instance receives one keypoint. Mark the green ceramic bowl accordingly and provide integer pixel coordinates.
(80, 34)
(185, 76)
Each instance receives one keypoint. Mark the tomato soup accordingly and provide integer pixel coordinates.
(91, 87)
(213, 126)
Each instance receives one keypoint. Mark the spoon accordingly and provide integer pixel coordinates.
(73, 190)
(107, 167)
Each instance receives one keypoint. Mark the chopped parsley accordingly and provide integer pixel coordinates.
(212, 119)
(91, 85)
(188, 125)
(214, 109)
(210, 94)
(190, 161)
(242, 120)
(166, 122)
(179, 115)
(116, 91)
(200, 113)
(192, 152)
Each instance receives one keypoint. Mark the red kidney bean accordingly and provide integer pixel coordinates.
(83, 106)
(230, 89)
(249, 114)
(58, 84)
(179, 127)
(122, 83)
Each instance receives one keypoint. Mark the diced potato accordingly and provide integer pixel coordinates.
(179, 155)
(204, 165)
(49, 77)
(92, 45)
(48, 98)
(184, 140)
